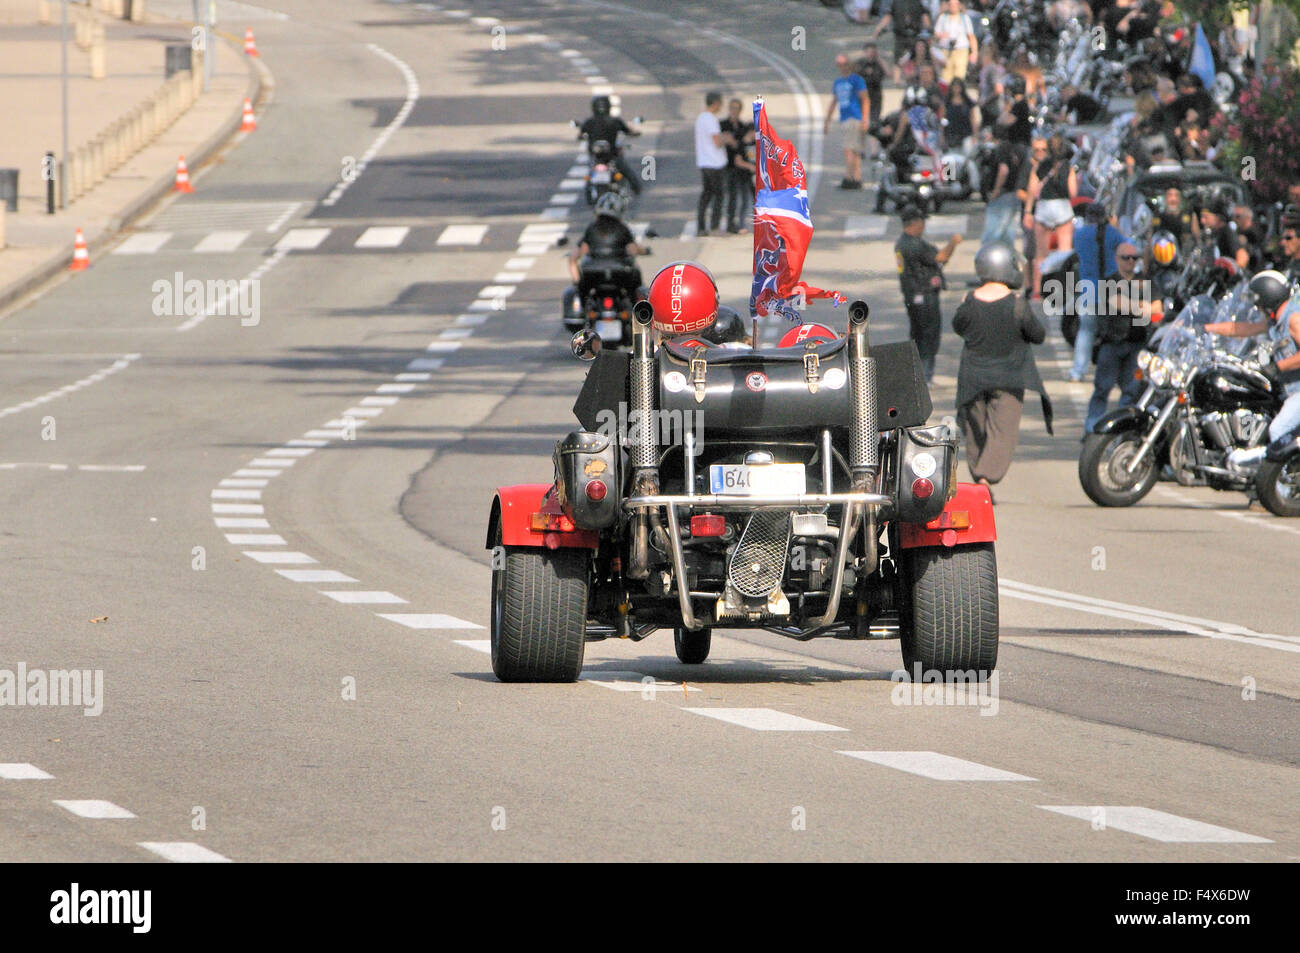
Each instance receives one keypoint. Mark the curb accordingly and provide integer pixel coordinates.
(159, 189)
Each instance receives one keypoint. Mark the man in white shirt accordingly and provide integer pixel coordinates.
(955, 36)
(711, 158)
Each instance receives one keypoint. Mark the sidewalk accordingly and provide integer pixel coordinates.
(38, 244)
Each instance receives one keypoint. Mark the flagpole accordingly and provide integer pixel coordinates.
(753, 223)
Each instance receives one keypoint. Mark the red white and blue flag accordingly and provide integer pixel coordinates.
(783, 226)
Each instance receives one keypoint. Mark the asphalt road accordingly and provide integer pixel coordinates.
(266, 529)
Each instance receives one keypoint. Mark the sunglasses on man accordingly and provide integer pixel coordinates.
(1127, 257)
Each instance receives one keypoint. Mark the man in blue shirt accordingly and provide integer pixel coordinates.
(849, 99)
(1095, 242)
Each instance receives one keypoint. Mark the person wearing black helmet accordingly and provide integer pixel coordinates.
(601, 126)
(997, 363)
(1272, 293)
(607, 238)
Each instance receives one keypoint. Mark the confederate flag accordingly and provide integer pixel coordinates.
(783, 226)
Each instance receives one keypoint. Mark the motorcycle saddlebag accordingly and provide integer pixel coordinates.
(582, 458)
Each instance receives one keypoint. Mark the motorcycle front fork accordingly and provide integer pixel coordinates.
(1153, 435)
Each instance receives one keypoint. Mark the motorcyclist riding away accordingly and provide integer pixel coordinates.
(607, 237)
(603, 127)
(918, 129)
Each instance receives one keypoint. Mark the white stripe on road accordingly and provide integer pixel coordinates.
(940, 767)
(290, 452)
(633, 682)
(281, 557)
(231, 508)
(413, 377)
(534, 248)
(522, 264)
(764, 719)
(236, 494)
(382, 236)
(328, 434)
(365, 411)
(305, 443)
(143, 243)
(1157, 825)
(238, 523)
(394, 388)
(865, 226)
(302, 239)
(255, 539)
(314, 575)
(419, 364)
(427, 620)
(459, 334)
(221, 241)
(267, 462)
(255, 473)
(122, 362)
(111, 467)
(356, 597)
(948, 225)
(1170, 621)
(379, 401)
(184, 852)
(98, 810)
(462, 235)
(478, 645)
(240, 483)
(21, 771)
(440, 347)
(509, 277)
(470, 320)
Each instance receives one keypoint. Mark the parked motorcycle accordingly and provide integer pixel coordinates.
(1205, 397)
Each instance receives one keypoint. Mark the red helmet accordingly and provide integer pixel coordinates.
(684, 297)
(806, 332)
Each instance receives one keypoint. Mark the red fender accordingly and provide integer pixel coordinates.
(513, 510)
(966, 518)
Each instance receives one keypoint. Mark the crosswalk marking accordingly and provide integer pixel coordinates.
(282, 557)
(302, 239)
(221, 241)
(21, 771)
(143, 243)
(427, 620)
(1156, 825)
(382, 236)
(191, 216)
(938, 767)
(763, 719)
(462, 235)
(947, 225)
(227, 522)
(865, 226)
(255, 539)
(314, 575)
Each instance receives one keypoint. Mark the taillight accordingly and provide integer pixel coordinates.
(609, 302)
(925, 173)
(922, 488)
(596, 490)
(708, 524)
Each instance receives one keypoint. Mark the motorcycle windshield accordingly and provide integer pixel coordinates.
(1237, 306)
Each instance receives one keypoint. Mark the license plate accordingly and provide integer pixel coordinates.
(737, 479)
(600, 176)
(610, 330)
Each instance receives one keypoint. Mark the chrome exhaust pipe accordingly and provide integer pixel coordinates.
(644, 450)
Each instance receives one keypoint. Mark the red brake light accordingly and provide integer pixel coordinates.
(922, 488)
(609, 302)
(925, 173)
(708, 524)
(596, 490)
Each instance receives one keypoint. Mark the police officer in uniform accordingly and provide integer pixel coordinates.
(920, 273)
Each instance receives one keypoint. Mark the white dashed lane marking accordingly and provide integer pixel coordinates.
(939, 767)
(255, 539)
(235, 482)
(382, 236)
(143, 243)
(462, 235)
(478, 645)
(269, 462)
(232, 508)
(184, 852)
(632, 682)
(302, 239)
(314, 575)
(21, 771)
(865, 226)
(290, 451)
(1156, 825)
(240, 523)
(223, 494)
(357, 597)
(281, 557)
(121, 363)
(763, 719)
(427, 620)
(96, 810)
(222, 241)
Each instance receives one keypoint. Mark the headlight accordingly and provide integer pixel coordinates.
(1158, 372)
(1179, 376)
(1144, 359)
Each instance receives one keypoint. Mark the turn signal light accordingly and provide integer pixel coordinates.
(955, 519)
(708, 524)
(922, 488)
(553, 522)
(596, 490)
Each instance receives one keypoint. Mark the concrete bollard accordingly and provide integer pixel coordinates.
(43, 10)
(97, 70)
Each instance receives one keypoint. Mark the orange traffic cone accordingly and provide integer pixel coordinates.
(250, 121)
(80, 254)
(250, 48)
(182, 177)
